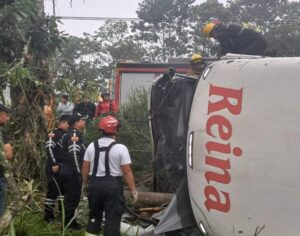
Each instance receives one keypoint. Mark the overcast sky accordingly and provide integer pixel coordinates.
(96, 8)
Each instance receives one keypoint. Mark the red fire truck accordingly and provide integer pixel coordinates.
(131, 76)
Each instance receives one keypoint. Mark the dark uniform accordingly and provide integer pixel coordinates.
(239, 40)
(70, 173)
(105, 194)
(86, 109)
(54, 154)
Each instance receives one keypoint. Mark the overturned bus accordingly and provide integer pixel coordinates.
(233, 135)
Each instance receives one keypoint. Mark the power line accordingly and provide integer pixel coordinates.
(97, 18)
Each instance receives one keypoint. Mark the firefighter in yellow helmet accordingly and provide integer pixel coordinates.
(198, 64)
(236, 39)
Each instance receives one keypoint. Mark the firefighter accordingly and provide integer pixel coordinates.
(106, 106)
(236, 39)
(54, 154)
(105, 162)
(70, 174)
(86, 107)
(198, 64)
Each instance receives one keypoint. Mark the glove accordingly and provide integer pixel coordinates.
(135, 196)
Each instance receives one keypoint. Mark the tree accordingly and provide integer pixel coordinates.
(165, 28)
(202, 14)
(264, 15)
(113, 43)
(84, 65)
(278, 19)
(27, 40)
(74, 69)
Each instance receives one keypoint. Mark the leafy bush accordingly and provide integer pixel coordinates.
(134, 133)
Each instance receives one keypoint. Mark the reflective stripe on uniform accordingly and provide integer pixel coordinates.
(50, 144)
(49, 202)
(74, 148)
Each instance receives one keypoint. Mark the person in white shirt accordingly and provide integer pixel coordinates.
(105, 163)
(65, 107)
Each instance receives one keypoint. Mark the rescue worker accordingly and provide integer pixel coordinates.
(105, 162)
(54, 154)
(70, 173)
(86, 107)
(106, 106)
(236, 39)
(198, 64)
(6, 152)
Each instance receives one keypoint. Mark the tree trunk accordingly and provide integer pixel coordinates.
(151, 198)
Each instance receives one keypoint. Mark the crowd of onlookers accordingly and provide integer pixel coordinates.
(85, 107)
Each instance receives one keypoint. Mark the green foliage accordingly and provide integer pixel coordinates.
(166, 26)
(30, 223)
(27, 40)
(173, 28)
(74, 72)
(279, 20)
(87, 63)
(201, 14)
(135, 131)
(13, 22)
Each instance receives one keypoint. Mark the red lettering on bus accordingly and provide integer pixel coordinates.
(223, 165)
(219, 147)
(231, 101)
(226, 93)
(216, 203)
(224, 127)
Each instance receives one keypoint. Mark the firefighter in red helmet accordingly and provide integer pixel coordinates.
(105, 163)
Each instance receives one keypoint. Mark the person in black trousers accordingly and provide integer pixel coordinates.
(70, 174)
(106, 163)
(54, 154)
(236, 39)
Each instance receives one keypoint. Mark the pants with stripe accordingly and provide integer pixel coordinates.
(54, 189)
(71, 183)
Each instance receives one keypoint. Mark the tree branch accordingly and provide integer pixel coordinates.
(17, 202)
(20, 63)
